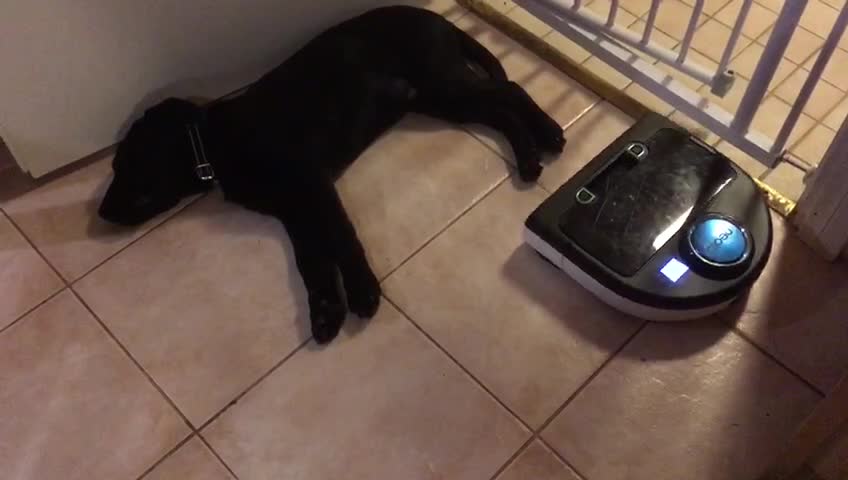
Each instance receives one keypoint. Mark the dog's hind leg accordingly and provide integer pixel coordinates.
(547, 131)
(467, 105)
(527, 154)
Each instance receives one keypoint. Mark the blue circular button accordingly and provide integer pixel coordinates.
(719, 241)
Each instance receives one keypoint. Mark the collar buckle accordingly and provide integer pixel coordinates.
(202, 167)
(205, 171)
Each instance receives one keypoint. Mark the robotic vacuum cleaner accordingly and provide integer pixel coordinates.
(659, 225)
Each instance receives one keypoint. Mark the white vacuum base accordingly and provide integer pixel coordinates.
(610, 297)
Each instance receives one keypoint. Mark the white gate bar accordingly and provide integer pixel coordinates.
(652, 19)
(734, 35)
(556, 9)
(658, 82)
(577, 4)
(690, 32)
(612, 12)
(788, 19)
(812, 80)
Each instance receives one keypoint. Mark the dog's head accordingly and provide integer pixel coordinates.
(154, 165)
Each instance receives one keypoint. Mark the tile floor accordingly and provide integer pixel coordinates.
(179, 350)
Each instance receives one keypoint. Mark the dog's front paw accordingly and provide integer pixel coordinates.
(327, 317)
(555, 141)
(363, 294)
(529, 171)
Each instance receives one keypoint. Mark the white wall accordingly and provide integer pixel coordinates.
(73, 72)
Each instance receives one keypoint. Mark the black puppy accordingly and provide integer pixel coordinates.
(278, 147)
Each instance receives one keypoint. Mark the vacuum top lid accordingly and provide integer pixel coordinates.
(639, 201)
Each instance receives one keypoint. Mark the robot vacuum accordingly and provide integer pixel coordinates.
(659, 225)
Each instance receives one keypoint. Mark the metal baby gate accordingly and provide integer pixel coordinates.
(825, 216)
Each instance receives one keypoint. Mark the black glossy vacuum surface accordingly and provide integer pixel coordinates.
(662, 219)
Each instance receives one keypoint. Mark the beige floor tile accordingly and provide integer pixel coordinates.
(796, 310)
(61, 220)
(835, 118)
(519, 325)
(748, 164)
(786, 179)
(680, 401)
(834, 3)
(819, 104)
(528, 21)
(446, 8)
(758, 21)
(207, 303)
(657, 35)
(383, 404)
(802, 45)
(193, 461)
(773, 5)
(746, 62)
(711, 7)
(712, 38)
(692, 56)
(636, 7)
(25, 278)
(559, 95)
(836, 71)
(832, 462)
(537, 462)
(772, 114)
(818, 17)
(496, 42)
(673, 18)
(730, 102)
(813, 147)
(502, 6)
(694, 127)
(587, 137)
(74, 406)
(648, 99)
(607, 73)
(423, 166)
(625, 15)
(567, 46)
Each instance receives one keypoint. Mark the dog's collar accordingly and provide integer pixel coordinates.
(202, 167)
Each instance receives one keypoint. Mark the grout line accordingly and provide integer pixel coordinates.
(132, 358)
(512, 458)
(586, 383)
(536, 433)
(36, 307)
(215, 453)
(37, 250)
(167, 455)
(44, 259)
(460, 365)
(446, 227)
(561, 458)
(798, 376)
(250, 387)
(132, 242)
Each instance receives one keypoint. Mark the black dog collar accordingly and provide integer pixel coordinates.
(202, 167)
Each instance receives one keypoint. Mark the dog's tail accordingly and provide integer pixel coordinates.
(477, 53)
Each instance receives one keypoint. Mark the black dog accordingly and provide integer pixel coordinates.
(278, 147)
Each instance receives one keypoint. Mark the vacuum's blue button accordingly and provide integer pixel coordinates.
(719, 241)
